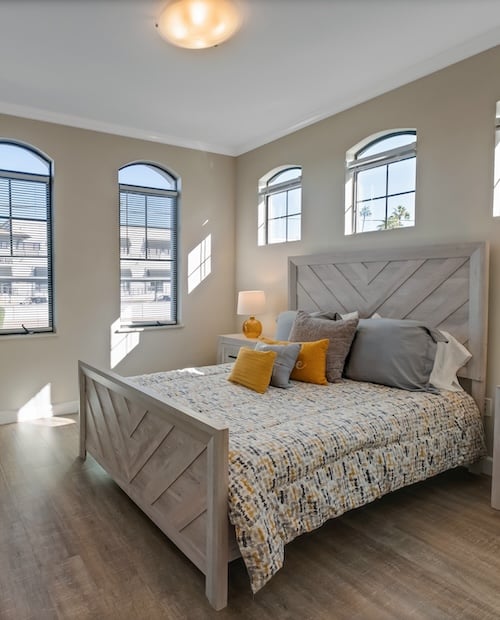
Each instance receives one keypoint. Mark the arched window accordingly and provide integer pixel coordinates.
(148, 245)
(280, 206)
(26, 304)
(380, 182)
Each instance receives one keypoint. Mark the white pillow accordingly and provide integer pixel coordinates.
(349, 315)
(450, 357)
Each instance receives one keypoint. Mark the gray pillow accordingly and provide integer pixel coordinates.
(393, 352)
(286, 319)
(340, 334)
(284, 362)
(284, 324)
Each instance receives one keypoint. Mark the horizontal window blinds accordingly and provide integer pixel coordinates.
(25, 254)
(148, 257)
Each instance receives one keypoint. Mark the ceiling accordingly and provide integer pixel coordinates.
(100, 64)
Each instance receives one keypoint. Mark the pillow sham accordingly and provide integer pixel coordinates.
(283, 364)
(285, 320)
(253, 369)
(450, 357)
(339, 333)
(393, 352)
(310, 366)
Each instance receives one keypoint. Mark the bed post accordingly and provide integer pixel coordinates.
(217, 523)
(82, 453)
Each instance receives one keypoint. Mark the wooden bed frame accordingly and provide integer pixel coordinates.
(173, 463)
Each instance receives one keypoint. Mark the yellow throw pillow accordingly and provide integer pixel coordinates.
(253, 369)
(310, 366)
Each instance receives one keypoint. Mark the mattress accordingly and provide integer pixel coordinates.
(300, 456)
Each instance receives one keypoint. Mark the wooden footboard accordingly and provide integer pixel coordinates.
(172, 462)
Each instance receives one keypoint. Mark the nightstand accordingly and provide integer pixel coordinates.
(228, 346)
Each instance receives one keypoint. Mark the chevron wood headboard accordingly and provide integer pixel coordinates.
(446, 286)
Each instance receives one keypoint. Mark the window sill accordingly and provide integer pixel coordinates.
(36, 336)
(148, 328)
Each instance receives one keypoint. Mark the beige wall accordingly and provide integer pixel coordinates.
(454, 113)
(86, 262)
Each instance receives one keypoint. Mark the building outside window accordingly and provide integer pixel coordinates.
(381, 183)
(26, 292)
(148, 245)
(280, 206)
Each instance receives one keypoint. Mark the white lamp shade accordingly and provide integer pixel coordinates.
(251, 302)
(197, 24)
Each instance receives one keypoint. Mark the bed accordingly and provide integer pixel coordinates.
(164, 438)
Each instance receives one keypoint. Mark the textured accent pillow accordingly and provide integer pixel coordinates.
(393, 352)
(310, 366)
(285, 321)
(253, 369)
(339, 333)
(283, 364)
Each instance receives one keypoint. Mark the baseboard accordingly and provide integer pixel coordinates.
(9, 417)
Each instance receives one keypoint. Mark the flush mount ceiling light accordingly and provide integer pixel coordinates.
(197, 24)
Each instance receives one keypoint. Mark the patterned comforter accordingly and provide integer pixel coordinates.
(300, 456)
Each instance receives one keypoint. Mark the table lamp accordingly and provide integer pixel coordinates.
(251, 302)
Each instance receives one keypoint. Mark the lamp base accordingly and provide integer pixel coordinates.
(252, 327)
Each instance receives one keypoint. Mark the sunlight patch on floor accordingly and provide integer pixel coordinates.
(55, 421)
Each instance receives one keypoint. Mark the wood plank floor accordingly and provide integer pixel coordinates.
(73, 546)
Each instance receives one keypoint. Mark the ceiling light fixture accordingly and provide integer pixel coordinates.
(197, 24)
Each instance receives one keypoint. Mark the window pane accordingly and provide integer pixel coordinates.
(286, 175)
(370, 215)
(294, 201)
(146, 291)
(294, 228)
(386, 144)
(402, 176)
(16, 158)
(24, 293)
(371, 183)
(144, 175)
(29, 199)
(276, 205)
(133, 221)
(4, 237)
(276, 231)
(29, 238)
(159, 211)
(401, 211)
(132, 209)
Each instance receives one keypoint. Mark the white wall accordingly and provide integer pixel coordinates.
(86, 262)
(453, 111)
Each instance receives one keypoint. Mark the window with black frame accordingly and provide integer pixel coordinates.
(26, 291)
(280, 206)
(148, 246)
(381, 183)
